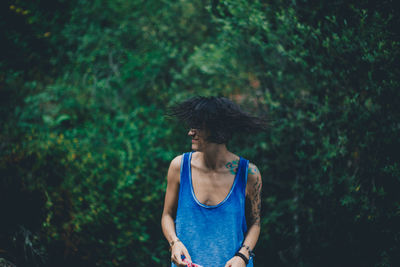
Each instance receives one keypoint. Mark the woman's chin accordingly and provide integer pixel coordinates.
(195, 147)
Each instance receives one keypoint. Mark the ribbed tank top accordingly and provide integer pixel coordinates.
(211, 234)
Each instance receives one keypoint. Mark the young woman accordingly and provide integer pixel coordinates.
(212, 204)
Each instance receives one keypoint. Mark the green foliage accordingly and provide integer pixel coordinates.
(85, 145)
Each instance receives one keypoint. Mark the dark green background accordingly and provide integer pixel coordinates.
(85, 145)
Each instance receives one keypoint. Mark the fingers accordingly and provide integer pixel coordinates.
(176, 258)
(182, 262)
(186, 254)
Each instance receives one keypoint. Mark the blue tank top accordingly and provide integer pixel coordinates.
(211, 234)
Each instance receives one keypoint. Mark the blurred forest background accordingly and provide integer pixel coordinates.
(85, 145)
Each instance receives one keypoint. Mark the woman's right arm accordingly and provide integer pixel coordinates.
(169, 212)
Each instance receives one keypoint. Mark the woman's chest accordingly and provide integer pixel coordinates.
(211, 188)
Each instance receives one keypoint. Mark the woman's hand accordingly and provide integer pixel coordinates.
(177, 250)
(235, 262)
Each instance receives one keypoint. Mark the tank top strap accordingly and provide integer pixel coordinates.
(242, 175)
(185, 169)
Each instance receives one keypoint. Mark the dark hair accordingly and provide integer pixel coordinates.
(219, 115)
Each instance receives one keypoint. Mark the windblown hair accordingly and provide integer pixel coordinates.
(218, 115)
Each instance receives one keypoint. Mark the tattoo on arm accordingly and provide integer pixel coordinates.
(255, 202)
(252, 169)
(232, 166)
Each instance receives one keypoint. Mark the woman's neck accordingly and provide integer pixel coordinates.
(215, 156)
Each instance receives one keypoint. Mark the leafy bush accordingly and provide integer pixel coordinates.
(86, 146)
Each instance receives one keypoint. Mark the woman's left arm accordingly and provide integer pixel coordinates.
(253, 217)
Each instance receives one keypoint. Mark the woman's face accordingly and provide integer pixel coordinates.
(199, 138)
